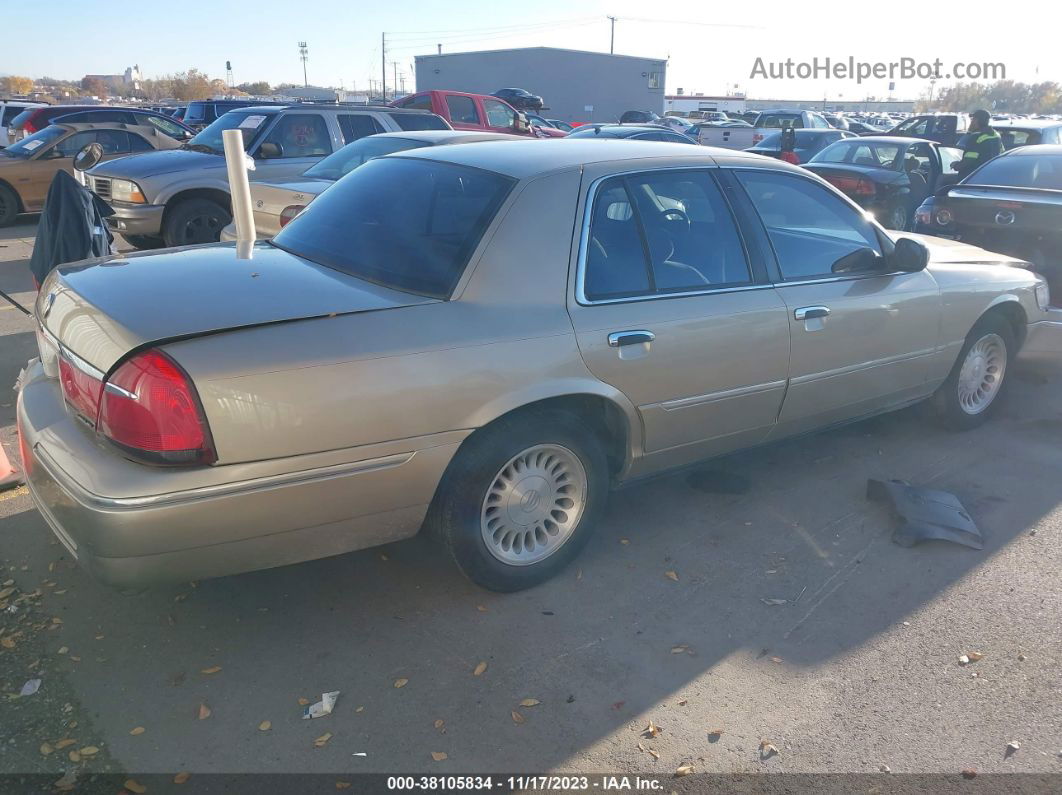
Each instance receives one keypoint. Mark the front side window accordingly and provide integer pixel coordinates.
(810, 228)
(114, 142)
(297, 135)
(660, 233)
(355, 126)
(498, 113)
(462, 110)
(405, 223)
(69, 147)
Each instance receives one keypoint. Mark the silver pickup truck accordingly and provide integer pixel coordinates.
(767, 122)
(182, 198)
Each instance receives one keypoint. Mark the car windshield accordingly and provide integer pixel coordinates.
(403, 223)
(861, 153)
(354, 154)
(249, 123)
(31, 143)
(1023, 171)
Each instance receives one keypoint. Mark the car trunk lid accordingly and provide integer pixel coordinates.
(102, 309)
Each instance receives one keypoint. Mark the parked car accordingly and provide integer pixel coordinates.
(1028, 132)
(519, 99)
(861, 128)
(475, 112)
(639, 117)
(28, 166)
(766, 122)
(888, 176)
(1013, 204)
(836, 121)
(9, 109)
(944, 128)
(553, 125)
(274, 204)
(202, 113)
(637, 132)
(183, 196)
(678, 125)
(563, 126)
(33, 119)
(808, 143)
(374, 377)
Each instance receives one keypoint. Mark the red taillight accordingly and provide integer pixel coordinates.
(290, 212)
(81, 390)
(151, 409)
(29, 127)
(853, 186)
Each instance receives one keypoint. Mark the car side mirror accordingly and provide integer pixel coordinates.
(88, 156)
(861, 260)
(270, 150)
(909, 256)
(520, 124)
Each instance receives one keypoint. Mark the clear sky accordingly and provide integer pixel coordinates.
(68, 39)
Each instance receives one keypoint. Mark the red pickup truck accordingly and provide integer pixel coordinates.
(476, 112)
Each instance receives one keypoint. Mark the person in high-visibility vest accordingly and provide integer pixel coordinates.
(981, 143)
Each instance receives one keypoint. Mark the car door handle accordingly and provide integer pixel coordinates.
(811, 312)
(618, 339)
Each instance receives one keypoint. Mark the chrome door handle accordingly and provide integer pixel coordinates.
(618, 339)
(811, 312)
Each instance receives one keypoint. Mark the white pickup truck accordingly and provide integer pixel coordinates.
(767, 122)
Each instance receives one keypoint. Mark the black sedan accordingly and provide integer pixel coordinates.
(808, 143)
(889, 176)
(520, 98)
(639, 132)
(1012, 204)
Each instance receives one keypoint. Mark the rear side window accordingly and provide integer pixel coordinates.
(358, 125)
(422, 102)
(810, 227)
(404, 223)
(138, 144)
(659, 233)
(10, 112)
(412, 122)
(1012, 137)
(462, 110)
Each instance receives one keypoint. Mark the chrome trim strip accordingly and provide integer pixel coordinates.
(117, 390)
(853, 368)
(220, 490)
(70, 356)
(712, 397)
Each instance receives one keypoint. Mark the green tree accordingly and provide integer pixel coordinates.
(259, 88)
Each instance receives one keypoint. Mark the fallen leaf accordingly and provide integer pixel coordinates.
(204, 712)
(715, 732)
(964, 660)
(137, 731)
(579, 575)
(360, 709)
(653, 753)
(383, 556)
(479, 669)
(625, 541)
(61, 591)
(401, 682)
(134, 786)
(679, 649)
(1012, 746)
(683, 703)
(57, 620)
(530, 702)
(75, 658)
(777, 660)
(671, 575)
(969, 772)
(181, 777)
(303, 701)
(517, 717)
(767, 749)
(438, 756)
(74, 756)
(64, 743)
(652, 729)
(46, 749)
(683, 770)
(7, 642)
(211, 670)
(342, 785)
(775, 601)
(481, 608)
(322, 741)
(6, 593)
(67, 782)
(89, 750)
(439, 723)
(975, 656)
(265, 726)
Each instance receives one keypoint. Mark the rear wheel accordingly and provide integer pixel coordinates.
(9, 206)
(195, 221)
(144, 242)
(971, 392)
(898, 218)
(521, 498)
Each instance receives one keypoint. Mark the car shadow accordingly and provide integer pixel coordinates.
(685, 586)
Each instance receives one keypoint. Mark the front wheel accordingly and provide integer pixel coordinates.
(9, 206)
(972, 389)
(521, 498)
(195, 221)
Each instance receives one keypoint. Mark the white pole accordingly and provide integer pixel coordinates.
(239, 190)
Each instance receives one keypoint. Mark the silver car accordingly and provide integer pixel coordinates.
(481, 340)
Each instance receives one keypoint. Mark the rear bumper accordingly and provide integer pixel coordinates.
(137, 219)
(223, 527)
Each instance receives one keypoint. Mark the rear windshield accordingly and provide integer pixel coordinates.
(804, 140)
(403, 223)
(411, 122)
(1013, 137)
(1022, 171)
(877, 154)
(341, 163)
(779, 120)
(197, 111)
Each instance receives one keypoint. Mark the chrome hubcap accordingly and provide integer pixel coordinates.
(981, 375)
(534, 504)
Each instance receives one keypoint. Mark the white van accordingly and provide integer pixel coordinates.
(9, 109)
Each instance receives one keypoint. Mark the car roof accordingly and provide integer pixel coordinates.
(891, 139)
(812, 131)
(1035, 150)
(79, 126)
(533, 157)
(1032, 124)
(305, 106)
(441, 137)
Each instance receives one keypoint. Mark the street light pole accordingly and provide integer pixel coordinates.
(383, 66)
(612, 37)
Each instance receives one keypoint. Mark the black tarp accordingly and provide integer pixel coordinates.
(71, 227)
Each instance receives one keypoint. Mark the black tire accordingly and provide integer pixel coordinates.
(898, 218)
(947, 401)
(9, 206)
(144, 242)
(195, 221)
(456, 515)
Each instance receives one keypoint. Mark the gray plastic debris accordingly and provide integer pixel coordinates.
(31, 687)
(925, 514)
(322, 707)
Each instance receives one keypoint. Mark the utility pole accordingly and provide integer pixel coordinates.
(439, 48)
(394, 83)
(612, 37)
(383, 65)
(304, 53)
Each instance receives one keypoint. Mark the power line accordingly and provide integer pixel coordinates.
(466, 31)
(452, 42)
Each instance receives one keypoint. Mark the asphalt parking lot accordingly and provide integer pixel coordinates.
(674, 615)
